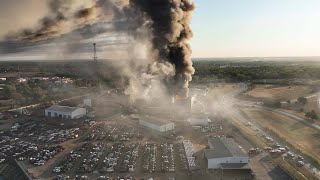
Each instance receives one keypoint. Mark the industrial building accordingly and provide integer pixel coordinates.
(65, 112)
(157, 124)
(224, 153)
(199, 120)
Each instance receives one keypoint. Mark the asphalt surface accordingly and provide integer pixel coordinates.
(229, 99)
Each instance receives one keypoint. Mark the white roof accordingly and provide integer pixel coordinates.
(223, 147)
(62, 108)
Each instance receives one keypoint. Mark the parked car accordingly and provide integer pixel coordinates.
(300, 163)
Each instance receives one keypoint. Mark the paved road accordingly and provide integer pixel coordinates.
(229, 99)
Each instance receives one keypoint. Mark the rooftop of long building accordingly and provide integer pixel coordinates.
(223, 147)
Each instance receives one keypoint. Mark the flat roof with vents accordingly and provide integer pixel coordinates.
(223, 147)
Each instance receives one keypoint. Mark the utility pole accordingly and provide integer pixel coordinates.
(96, 67)
(19, 71)
(95, 57)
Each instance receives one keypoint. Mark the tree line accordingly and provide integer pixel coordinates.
(245, 72)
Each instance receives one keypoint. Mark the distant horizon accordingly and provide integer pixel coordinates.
(221, 29)
(241, 57)
(259, 58)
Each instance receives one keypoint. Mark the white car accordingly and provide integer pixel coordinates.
(22, 158)
(300, 163)
(110, 169)
(277, 145)
(56, 170)
(300, 158)
(290, 154)
(39, 163)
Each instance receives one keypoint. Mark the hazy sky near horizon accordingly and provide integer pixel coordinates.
(222, 28)
(244, 28)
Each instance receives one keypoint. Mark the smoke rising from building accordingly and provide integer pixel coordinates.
(158, 29)
(170, 29)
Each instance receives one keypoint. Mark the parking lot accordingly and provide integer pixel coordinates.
(131, 151)
(34, 153)
(112, 133)
(123, 159)
(117, 148)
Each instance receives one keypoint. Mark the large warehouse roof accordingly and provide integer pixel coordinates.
(155, 121)
(223, 147)
(62, 108)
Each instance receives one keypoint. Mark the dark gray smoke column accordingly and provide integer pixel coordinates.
(170, 27)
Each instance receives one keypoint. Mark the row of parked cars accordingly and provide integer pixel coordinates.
(129, 159)
(212, 128)
(299, 159)
(71, 159)
(85, 177)
(281, 150)
(111, 160)
(183, 157)
(113, 133)
(167, 164)
(188, 149)
(277, 150)
(90, 162)
(149, 160)
(56, 135)
(22, 150)
(44, 154)
(43, 133)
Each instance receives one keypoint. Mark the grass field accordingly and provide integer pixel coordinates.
(278, 93)
(299, 135)
(302, 114)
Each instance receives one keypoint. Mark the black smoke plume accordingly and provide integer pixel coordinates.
(164, 25)
(170, 27)
(60, 19)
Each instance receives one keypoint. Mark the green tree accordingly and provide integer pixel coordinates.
(38, 94)
(311, 115)
(25, 89)
(302, 100)
(19, 98)
(9, 90)
(277, 104)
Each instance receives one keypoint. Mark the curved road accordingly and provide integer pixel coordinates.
(229, 99)
(244, 87)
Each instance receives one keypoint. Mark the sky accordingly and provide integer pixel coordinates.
(256, 28)
(222, 28)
